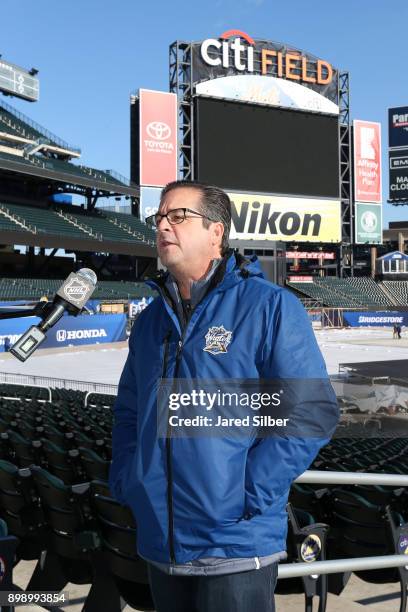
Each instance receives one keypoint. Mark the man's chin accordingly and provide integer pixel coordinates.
(167, 260)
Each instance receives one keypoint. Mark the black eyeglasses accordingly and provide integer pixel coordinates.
(175, 216)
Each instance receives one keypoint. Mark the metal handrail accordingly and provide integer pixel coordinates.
(120, 177)
(101, 175)
(17, 219)
(36, 126)
(95, 393)
(334, 566)
(59, 383)
(359, 478)
(74, 220)
(21, 384)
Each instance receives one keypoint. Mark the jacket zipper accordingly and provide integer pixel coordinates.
(168, 442)
(165, 354)
(168, 438)
(170, 465)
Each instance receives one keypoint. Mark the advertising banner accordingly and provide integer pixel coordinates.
(398, 127)
(398, 169)
(83, 329)
(262, 217)
(367, 161)
(157, 137)
(300, 279)
(137, 306)
(368, 223)
(375, 319)
(235, 53)
(149, 201)
(309, 255)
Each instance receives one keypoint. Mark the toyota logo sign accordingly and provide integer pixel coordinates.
(158, 130)
(61, 335)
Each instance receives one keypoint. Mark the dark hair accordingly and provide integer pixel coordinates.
(214, 203)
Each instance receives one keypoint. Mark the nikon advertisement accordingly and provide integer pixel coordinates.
(265, 217)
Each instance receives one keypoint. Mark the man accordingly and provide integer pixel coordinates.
(210, 510)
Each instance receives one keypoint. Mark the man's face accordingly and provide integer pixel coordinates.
(187, 246)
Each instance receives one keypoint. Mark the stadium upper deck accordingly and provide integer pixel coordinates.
(28, 148)
(35, 166)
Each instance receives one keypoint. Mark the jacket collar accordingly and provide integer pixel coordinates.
(232, 269)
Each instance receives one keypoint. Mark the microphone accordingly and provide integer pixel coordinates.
(71, 297)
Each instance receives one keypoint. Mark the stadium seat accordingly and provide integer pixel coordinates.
(398, 290)
(118, 531)
(34, 289)
(306, 542)
(310, 499)
(94, 467)
(355, 292)
(64, 464)
(23, 452)
(73, 538)
(8, 545)
(20, 508)
(362, 529)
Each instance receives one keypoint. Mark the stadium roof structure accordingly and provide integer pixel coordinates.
(73, 182)
(394, 255)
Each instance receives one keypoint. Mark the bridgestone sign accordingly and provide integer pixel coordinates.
(380, 319)
(375, 319)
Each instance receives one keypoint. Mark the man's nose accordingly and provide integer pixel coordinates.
(163, 224)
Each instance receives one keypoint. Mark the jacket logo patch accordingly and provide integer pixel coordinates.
(216, 340)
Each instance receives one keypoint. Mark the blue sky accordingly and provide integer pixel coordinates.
(92, 54)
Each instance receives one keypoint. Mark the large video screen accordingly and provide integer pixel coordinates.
(264, 149)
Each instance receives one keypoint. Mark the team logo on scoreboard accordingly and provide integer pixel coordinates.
(217, 340)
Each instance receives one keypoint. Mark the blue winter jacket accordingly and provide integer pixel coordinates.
(211, 496)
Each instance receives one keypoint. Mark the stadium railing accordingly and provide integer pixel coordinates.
(340, 565)
(57, 383)
(36, 128)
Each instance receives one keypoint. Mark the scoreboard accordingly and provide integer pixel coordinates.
(16, 81)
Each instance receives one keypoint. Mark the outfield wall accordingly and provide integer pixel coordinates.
(69, 331)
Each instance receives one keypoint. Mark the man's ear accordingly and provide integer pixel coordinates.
(218, 232)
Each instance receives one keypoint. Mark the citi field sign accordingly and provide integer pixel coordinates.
(238, 65)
